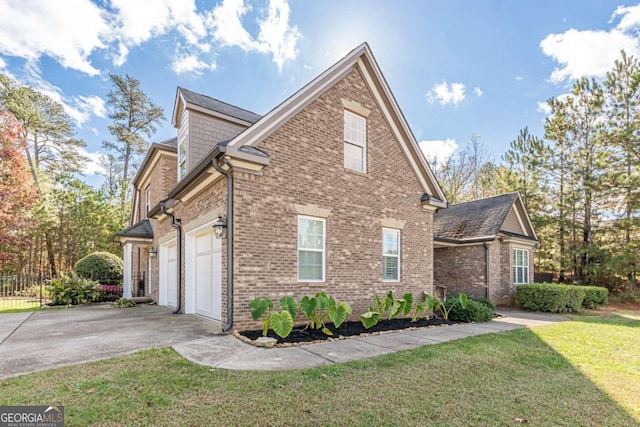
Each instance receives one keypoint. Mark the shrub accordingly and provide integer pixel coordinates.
(475, 311)
(594, 296)
(550, 297)
(110, 292)
(485, 302)
(104, 267)
(125, 303)
(73, 290)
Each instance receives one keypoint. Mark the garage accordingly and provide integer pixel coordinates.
(203, 278)
(168, 290)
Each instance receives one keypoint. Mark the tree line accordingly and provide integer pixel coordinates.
(49, 217)
(580, 180)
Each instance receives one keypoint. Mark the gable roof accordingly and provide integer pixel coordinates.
(479, 219)
(140, 230)
(363, 58)
(212, 104)
(169, 145)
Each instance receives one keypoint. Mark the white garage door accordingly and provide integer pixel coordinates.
(168, 275)
(208, 275)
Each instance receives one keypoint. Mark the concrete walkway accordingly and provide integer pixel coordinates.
(35, 341)
(227, 352)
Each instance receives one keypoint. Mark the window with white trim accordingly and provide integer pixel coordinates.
(182, 157)
(390, 255)
(520, 266)
(147, 200)
(311, 249)
(355, 142)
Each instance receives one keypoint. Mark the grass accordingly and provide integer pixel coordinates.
(19, 304)
(584, 372)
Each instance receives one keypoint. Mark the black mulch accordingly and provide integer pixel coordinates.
(348, 329)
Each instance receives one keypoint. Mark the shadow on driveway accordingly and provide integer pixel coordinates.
(35, 341)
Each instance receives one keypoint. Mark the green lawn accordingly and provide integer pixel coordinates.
(18, 304)
(579, 373)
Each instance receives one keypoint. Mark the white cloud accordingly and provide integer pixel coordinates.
(94, 165)
(141, 20)
(477, 91)
(79, 108)
(190, 63)
(447, 94)
(518, 78)
(438, 151)
(93, 104)
(592, 53)
(77, 29)
(3, 64)
(276, 37)
(544, 108)
(66, 30)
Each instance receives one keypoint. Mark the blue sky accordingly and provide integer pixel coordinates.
(455, 67)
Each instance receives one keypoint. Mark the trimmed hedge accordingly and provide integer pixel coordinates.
(594, 296)
(475, 311)
(557, 298)
(103, 267)
(550, 297)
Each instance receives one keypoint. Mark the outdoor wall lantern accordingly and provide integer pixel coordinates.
(153, 252)
(220, 227)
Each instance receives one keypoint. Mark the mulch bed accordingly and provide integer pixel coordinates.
(347, 329)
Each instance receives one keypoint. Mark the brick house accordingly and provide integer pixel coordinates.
(484, 248)
(329, 191)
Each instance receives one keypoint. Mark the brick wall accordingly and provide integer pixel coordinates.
(212, 199)
(306, 168)
(460, 269)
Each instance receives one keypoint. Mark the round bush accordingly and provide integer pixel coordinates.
(475, 311)
(104, 267)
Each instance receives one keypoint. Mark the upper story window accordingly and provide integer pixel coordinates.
(147, 200)
(390, 255)
(311, 249)
(520, 266)
(182, 157)
(355, 142)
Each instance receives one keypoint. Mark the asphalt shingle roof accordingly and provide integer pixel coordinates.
(219, 106)
(141, 229)
(478, 218)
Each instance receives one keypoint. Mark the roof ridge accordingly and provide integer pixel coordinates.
(218, 100)
(484, 198)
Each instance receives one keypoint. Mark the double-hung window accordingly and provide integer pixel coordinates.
(520, 266)
(355, 142)
(182, 157)
(311, 249)
(147, 200)
(390, 255)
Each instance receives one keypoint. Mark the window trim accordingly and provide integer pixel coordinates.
(323, 250)
(514, 267)
(356, 143)
(399, 255)
(184, 160)
(147, 201)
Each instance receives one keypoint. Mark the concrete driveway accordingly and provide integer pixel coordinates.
(35, 341)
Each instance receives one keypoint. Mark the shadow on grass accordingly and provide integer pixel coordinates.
(606, 318)
(491, 379)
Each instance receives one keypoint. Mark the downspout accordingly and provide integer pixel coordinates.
(229, 176)
(486, 270)
(175, 223)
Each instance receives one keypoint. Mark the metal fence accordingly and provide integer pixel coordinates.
(22, 291)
